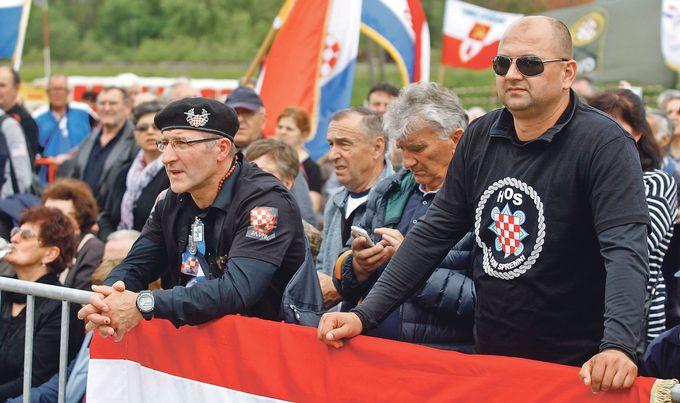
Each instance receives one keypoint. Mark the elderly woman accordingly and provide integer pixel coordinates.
(75, 199)
(42, 247)
(137, 184)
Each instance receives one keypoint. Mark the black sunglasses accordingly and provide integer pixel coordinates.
(529, 66)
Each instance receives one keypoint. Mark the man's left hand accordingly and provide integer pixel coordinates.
(611, 369)
(123, 312)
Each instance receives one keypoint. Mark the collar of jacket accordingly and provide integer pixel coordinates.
(504, 126)
(340, 198)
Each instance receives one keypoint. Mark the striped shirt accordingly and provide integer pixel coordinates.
(662, 200)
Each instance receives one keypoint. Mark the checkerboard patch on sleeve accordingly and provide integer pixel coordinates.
(263, 223)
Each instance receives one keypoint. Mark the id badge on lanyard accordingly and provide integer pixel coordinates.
(195, 252)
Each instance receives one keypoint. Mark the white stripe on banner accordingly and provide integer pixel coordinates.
(11, 3)
(147, 385)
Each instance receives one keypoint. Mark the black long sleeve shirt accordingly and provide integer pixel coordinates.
(560, 224)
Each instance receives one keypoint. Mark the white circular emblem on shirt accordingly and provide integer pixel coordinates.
(509, 228)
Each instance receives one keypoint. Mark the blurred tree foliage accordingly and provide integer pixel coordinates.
(181, 30)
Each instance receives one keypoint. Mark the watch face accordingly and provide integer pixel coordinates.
(145, 302)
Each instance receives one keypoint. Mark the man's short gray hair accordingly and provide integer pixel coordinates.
(424, 105)
(666, 96)
(370, 120)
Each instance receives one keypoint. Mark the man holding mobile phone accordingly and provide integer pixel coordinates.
(425, 122)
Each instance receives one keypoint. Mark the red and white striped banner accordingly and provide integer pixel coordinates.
(472, 34)
(246, 359)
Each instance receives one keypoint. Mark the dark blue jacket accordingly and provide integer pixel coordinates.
(662, 357)
(440, 313)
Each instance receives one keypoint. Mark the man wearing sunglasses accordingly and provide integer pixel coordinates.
(225, 238)
(552, 188)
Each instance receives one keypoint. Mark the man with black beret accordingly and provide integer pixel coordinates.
(225, 238)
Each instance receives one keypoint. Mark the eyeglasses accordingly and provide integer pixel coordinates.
(142, 127)
(181, 145)
(24, 233)
(529, 66)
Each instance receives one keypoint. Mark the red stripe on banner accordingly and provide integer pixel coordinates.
(418, 19)
(294, 61)
(287, 362)
(451, 55)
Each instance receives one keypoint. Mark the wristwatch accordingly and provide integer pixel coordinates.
(145, 304)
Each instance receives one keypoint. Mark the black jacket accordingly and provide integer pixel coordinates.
(109, 218)
(247, 266)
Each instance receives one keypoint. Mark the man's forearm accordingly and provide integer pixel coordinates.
(624, 249)
(242, 286)
(137, 269)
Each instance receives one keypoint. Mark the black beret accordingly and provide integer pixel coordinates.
(202, 114)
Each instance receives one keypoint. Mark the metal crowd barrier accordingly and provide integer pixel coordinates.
(67, 296)
(64, 294)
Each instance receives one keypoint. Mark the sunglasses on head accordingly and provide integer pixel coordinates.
(529, 66)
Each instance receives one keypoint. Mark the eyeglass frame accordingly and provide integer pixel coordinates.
(23, 233)
(161, 147)
(514, 60)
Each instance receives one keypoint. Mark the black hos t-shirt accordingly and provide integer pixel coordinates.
(537, 208)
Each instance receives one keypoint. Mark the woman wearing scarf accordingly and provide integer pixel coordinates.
(138, 184)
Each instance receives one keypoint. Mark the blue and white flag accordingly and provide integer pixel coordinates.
(400, 27)
(10, 21)
(338, 62)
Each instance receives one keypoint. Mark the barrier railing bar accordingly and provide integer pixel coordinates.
(63, 349)
(32, 290)
(70, 295)
(44, 290)
(28, 348)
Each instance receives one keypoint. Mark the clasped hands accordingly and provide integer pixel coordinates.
(111, 310)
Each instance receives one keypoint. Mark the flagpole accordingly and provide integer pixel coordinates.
(269, 39)
(19, 49)
(47, 59)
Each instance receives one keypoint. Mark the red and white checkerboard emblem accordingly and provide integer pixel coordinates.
(508, 232)
(330, 55)
(190, 266)
(197, 120)
(264, 219)
(508, 229)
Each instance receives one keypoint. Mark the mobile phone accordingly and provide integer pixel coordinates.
(360, 232)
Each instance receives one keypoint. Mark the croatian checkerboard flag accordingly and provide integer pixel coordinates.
(10, 20)
(338, 62)
(311, 64)
(400, 27)
(472, 34)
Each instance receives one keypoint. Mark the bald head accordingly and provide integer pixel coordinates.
(552, 31)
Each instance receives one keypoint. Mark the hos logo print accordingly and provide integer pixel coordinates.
(509, 228)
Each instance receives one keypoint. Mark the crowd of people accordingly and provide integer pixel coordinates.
(545, 229)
